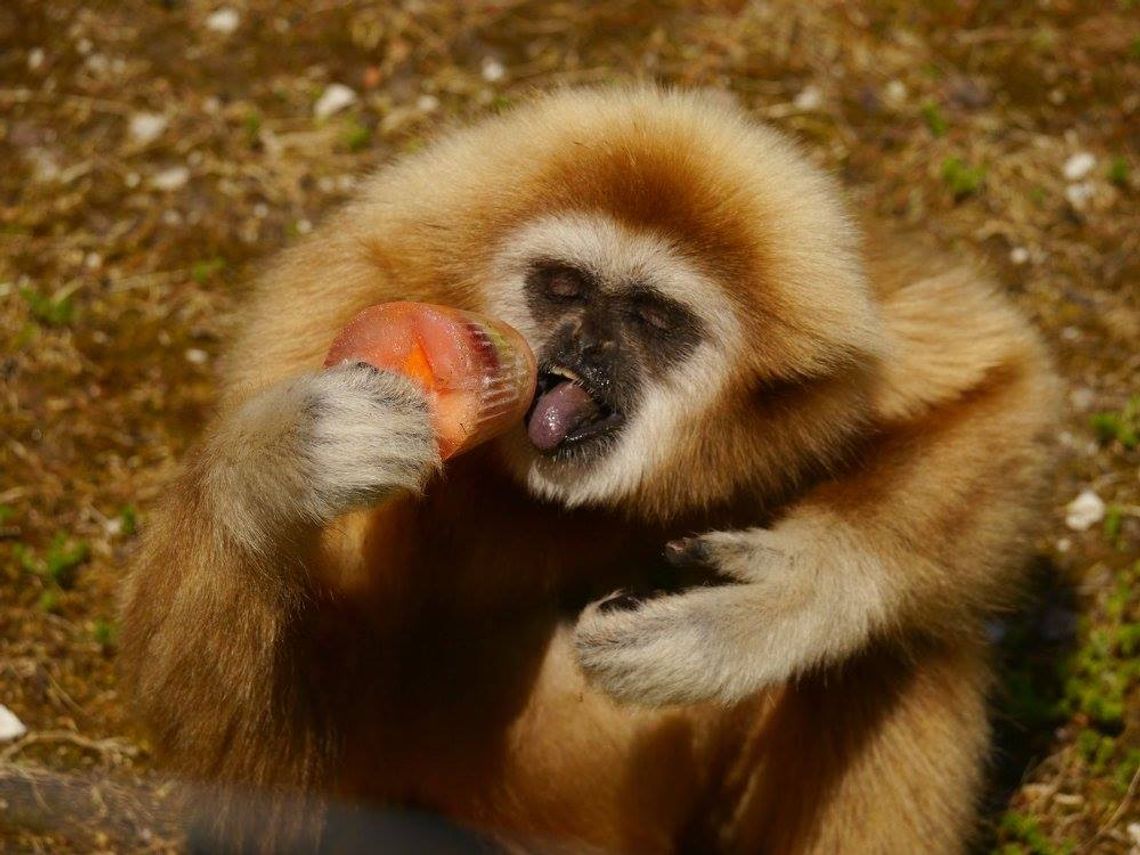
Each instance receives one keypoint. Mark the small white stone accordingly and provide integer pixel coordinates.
(145, 128)
(1078, 166)
(46, 167)
(84, 46)
(113, 527)
(35, 58)
(1064, 544)
(1071, 334)
(10, 726)
(171, 218)
(1085, 511)
(304, 227)
(196, 357)
(1082, 398)
(133, 179)
(427, 103)
(93, 261)
(808, 99)
(261, 210)
(1019, 255)
(493, 70)
(1133, 829)
(223, 21)
(1079, 194)
(335, 98)
(172, 178)
(895, 92)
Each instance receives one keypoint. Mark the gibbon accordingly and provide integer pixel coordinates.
(735, 604)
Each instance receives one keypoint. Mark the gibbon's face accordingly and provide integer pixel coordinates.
(631, 340)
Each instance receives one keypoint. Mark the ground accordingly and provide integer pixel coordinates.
(155, 153)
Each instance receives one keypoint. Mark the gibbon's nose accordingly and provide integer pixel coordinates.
(596, 336)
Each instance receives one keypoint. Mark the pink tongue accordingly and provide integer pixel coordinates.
(557, 413)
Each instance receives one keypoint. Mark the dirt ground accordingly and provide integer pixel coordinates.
(154, 153)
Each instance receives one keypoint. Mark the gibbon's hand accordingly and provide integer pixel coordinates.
(315, 446)
(368, 434)
(798, 595)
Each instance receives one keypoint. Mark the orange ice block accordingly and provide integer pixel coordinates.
(478, 373)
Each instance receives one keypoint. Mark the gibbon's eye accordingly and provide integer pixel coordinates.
(652, 314)
(554, 282)
(565, 283)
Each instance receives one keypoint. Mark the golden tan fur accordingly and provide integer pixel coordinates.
(866, 475)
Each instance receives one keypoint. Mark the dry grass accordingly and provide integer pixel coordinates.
(956, 118)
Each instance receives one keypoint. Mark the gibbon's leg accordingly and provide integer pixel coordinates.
(882, 755)
(228, 635)
(921, 535)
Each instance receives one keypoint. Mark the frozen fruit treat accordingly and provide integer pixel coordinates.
(478, 372)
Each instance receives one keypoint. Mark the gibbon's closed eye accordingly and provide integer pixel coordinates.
(651, 314)
(558, 281)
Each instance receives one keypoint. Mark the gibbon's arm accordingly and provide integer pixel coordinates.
(223, 638)
(918, 535)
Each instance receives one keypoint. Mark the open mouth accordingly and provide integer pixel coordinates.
(566, 411)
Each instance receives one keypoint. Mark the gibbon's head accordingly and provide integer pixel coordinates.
(689, 283)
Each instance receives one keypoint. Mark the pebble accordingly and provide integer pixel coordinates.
(10, 726)
(195, 356)
(1078, 166)
(1133, 829)
(1082, 398)
(1085, 511)
(1079, 194)
(145, 128)
(170, 179)
(427, 103)
(223, 21)
(1019, 255)
(45, 167)
(895, 92)
(493, 70)
(808, 99)
(35, 58)
(335, 98)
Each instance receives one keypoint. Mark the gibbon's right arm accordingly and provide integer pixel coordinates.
(223, 617)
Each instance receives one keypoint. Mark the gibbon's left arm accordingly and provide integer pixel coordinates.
(919, 536)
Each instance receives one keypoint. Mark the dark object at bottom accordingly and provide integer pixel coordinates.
(349, 831)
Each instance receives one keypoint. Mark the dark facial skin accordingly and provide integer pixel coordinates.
(612, 337)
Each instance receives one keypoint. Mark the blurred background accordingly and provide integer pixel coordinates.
(154, 154)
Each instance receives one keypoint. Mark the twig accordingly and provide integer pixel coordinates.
(1116, 814)
(106, 747)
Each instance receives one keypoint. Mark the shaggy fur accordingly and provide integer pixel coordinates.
(856, 453)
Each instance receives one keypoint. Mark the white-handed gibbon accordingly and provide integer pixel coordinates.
(732, 601)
